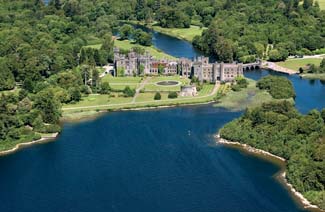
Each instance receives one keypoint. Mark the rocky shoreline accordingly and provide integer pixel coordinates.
(282, 176)
(21, 145)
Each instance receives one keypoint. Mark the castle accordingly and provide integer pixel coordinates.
(133, 64)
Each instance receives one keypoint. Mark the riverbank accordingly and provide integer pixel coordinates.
(278, 68)
(281, 176)
(313, 76)
(26, 144)
(186, 34)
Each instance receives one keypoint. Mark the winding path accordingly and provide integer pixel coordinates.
(141, 86)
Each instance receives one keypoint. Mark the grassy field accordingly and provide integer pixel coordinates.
(322, 4)
(119, 83)
(126, 44)
(95, 99)
(248, 97)
(295, 64)
(149, 96)
(181, 33)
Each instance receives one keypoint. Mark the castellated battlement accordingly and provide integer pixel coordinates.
(134, 64)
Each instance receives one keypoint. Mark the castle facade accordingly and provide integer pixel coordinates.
(134, 64)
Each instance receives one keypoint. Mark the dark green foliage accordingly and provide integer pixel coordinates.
(157, 96)
(48, 105)
(241, 82)
(128, 92)
(278, 87)
(7, 80)
(143, 38)
(125, 31)
(172, 18)
(286, 28)
(105, 88)
(172, 95)
(300, 139)
(75, 94)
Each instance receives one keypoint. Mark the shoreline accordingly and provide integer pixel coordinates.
(281, 176)
(19, 146)
(104, 111)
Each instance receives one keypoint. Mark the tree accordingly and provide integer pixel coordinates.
(107, 48)
(139, 9)
(75, 94)
(128, 92)
(161, 69)
(142, 38)
(95, 78)
(157, 96)
(48, 105)
(125, 31)
(85, 73)
(105, 88)
(141, 69)
(56, 4)
(172, 95)
(307, 4)
(7, 81)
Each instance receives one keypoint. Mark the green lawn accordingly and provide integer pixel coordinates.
(181, 33)
(152, 86)
(207, 89)
(248, 97)
(295, 64)
(94, 99)
(126, 44)
(322, 4)
(119, 83)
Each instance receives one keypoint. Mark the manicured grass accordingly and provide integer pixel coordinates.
(126, 44)
(149, 96)
(206, 89)
(181, 33)
(93, 100)
(111, 79)
(119, 83)
(295, 64)
(152, 86)
(248, 97)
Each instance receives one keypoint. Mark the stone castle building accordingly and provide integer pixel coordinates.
(144, 64)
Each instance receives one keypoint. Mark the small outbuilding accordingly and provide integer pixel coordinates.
(188, 90)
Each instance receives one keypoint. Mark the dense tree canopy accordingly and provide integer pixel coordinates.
(278, 128)
(278, 87)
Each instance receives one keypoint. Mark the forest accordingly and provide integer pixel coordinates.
(277, 127)
(46, 57)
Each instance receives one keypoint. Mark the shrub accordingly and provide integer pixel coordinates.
(172, 95)
(105, 88)
(157, 96)
(128, 92)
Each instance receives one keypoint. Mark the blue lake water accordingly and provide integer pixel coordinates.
(158, 160)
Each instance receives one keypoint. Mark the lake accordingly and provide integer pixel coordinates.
(155, 160)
